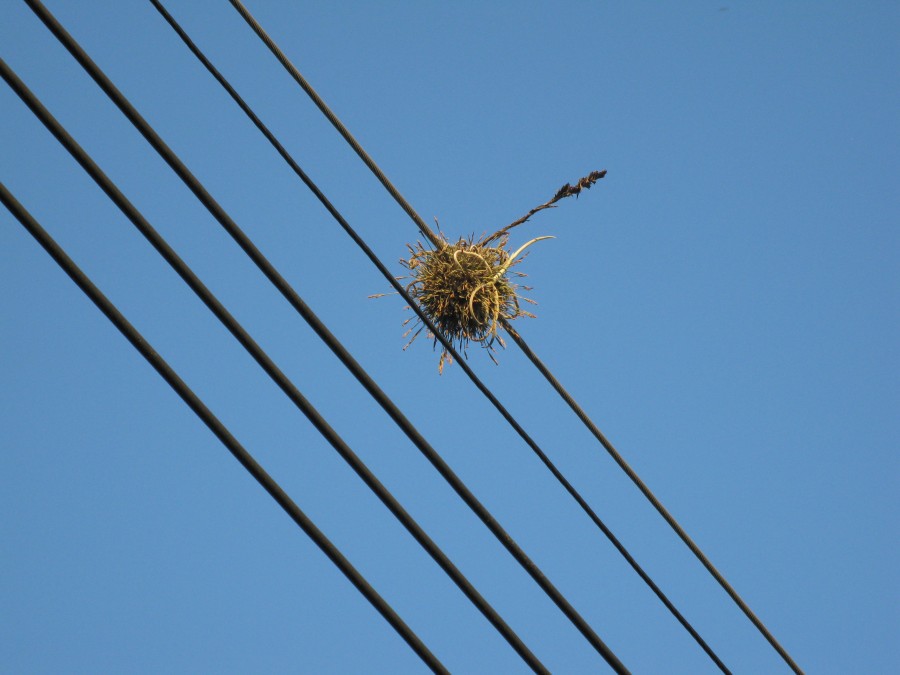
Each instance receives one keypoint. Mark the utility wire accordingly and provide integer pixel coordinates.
(427, 232)
(669, 518)
(337, 348)
(271, 369)
(234, 447)
(403, 293)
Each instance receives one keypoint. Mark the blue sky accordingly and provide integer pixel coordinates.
(723, 303)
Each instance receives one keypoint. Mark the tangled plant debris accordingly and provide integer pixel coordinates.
(468, 288)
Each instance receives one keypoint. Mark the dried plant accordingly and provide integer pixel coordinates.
(465, 287)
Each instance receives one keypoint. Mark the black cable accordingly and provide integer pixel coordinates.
(337, 348)
(426, 231)
(669, 518)
(403, 293)
(269, 367)
(276, 51)
(219, 429)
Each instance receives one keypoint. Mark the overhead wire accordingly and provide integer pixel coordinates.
(266, 363)
(218, 428)
(426, 320)
(517, 338)
(337, 348)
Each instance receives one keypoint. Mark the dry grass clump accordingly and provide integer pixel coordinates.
(465, 288)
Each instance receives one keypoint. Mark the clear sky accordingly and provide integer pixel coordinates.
(724, 304)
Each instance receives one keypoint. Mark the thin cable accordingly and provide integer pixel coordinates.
(337, 348)
(426, 231)
(403, 293)
(632, 474)
(270, 43)
(219, 429)
(270, 367)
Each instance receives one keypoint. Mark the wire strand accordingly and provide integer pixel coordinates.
(423, 227)
(222, 433)
(271, 369)
(403, 293)
(668, 517)
(337, 348)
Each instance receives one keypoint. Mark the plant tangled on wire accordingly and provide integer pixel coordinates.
(466, 288)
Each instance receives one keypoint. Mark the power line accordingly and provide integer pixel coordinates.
(337, 348)
(270, 367)
(219, 429)
(669, 518)
(403, 293)
(292, 70)
(426, 231)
